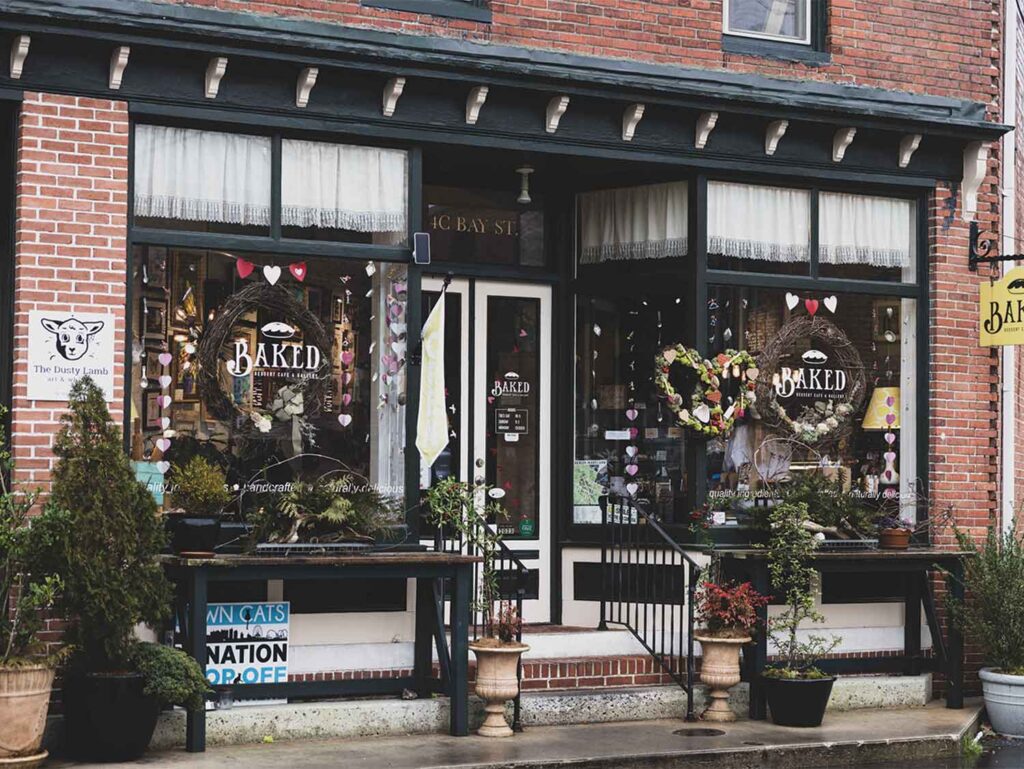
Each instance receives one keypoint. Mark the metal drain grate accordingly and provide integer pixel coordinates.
(699, 732)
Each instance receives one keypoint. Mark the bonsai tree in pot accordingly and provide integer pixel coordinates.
(797, 691)
(199, 491)
(991, 616)
(463, 509)
(26, 669)
(727, 615)
(101, 538)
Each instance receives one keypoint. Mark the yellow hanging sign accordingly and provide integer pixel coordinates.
(1002, 310)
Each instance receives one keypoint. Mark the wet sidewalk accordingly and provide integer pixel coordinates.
(857, 737)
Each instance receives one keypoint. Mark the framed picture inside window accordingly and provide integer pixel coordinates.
(154, 318)
(151, 411)
(156, 268)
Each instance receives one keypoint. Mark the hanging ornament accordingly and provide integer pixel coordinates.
(244, 268)
(811, 305)
(298, 271)
(272, 273)
(370, 269)
(830, 303)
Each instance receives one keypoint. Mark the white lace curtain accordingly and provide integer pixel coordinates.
(205, 176)
(648, 222)
(749, 221)
(343, 186)
(865, 229)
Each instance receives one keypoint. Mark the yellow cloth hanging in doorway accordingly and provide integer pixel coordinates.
(432, 420)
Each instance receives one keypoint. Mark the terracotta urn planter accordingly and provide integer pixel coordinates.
(894, 539)
(720, 671)
(24, 699)
(496, 683)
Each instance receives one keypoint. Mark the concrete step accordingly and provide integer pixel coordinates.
(371, 717)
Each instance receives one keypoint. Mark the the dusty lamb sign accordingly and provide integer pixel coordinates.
(65, 346)
(247, 643)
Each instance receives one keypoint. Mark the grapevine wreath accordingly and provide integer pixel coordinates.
(824, 420)
(705, 414)
(220, 332)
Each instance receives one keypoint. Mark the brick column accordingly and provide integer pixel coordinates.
(71, 220)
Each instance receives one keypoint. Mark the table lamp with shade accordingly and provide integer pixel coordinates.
(883, 413)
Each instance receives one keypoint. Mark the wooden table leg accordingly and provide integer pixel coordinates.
(425, 616)
(955, 640)
(912, 594)
(460, 650)
(195, 720)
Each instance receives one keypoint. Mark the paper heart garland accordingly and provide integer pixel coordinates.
(890, 401)
(347, 357)
(631, 451)
(165, 358)
(632, 489)
(811, 305)
(346, 399)
(830, 303)
(163, 401)
(890, 419)
(345, 419)
(632, 469)
(165, 422)
(890, 438)
(631, 414)
(244, 267)
(633, 432)
(272, 273)
(163, 444)
(165, 381)
(298, 271)
(162, 467)
(792, 300)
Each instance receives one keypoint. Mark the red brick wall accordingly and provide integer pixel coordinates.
(70, 243)
(935, 47)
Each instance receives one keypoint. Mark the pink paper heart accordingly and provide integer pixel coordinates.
(890, 419)
(631, 414)
(811, 305)
(347, 357)
(244, 267)
(298, 271)
(889, 456)
(890, 401)
(632, 469)
(522, 332)
(344, 419)
(490, 399)
(165, 358)
(346, 399)
(633, 432)
(396, 310)
(890, 438)
(163, 401)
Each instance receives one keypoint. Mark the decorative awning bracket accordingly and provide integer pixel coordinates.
(980, 247)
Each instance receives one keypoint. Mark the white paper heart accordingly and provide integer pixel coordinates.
(165, 381)
(753, 374)
(830, 303)
(792, 300)
(399, 348)
(632, 488)
(889, 456)
(703, 413)
(163, 401)
(162, 467)
(670, 355)
(399, 328)
(272, 273)
(890, 438)
(164, 358)
(163, 444)
(631, 414)
(631, 451)
(165, 422)
(345, 419)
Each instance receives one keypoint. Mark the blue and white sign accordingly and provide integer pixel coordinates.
(247, 643)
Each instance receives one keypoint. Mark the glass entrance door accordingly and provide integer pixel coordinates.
(498, 380)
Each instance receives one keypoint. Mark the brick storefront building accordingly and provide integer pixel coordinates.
(598, 179)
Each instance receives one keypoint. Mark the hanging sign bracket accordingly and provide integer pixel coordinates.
(980, 247)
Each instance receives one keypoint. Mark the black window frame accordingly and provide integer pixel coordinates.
(466, 10)
(701, 277)
(815, 51)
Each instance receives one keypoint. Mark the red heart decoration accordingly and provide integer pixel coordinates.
(298, 271)
(811, 305)
(244, 267)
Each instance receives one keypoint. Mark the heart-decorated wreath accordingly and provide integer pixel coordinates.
(706, 414)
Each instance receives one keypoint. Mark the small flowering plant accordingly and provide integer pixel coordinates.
(727, 609)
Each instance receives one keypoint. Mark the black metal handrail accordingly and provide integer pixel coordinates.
(512, 581)
(648, 586)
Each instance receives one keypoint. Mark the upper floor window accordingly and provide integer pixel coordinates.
(787, 21)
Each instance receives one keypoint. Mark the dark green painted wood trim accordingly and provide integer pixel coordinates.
(274, 36)
(467, 10)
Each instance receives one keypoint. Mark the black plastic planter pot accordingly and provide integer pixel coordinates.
(107, 717)
(798, 702)
(193, 534)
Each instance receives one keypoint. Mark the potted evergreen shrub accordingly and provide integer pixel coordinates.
(460, 508)
(26, 668)
(991, 616)
(797, 691)
(200, 494)
(101, 538)
(727, 615)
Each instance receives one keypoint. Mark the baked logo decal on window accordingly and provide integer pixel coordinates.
(510, 385)
(276, 358)
(813, 380)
